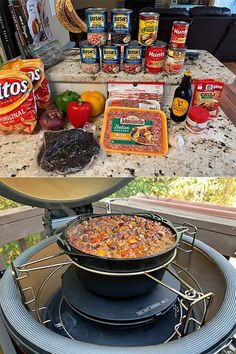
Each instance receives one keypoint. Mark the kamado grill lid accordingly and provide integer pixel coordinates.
(59, 192)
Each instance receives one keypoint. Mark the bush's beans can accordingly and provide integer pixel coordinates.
(111, 57)
(96, 21)
(179, 33)
(175, 59)
(148, 28)
(121, 22)
(155, 57)
(90, 57)
(133, 58)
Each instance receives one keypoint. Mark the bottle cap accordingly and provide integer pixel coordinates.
(198, 114)
(188, 73)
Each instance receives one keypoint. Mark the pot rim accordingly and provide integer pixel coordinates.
(63, 243)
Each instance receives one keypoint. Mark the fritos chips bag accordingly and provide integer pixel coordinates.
(35, 69)
(18, 111)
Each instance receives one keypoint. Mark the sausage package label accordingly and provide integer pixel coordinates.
(134, 130)
(131, 131)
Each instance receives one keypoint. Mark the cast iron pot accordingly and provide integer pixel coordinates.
(113, 276)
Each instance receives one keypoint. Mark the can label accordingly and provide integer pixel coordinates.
(96, 22)
(148, 29)
(180, 106)
(121, 22)
(175, 61)
(155, 58)
(133, 55)
(179, 34)
(89, 55)
(111, 55)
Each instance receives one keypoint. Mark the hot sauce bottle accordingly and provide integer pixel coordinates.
(182, 99)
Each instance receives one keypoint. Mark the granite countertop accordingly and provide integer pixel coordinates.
(212, 153)
(207, 66)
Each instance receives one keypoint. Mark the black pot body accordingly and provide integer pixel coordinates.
(119, 286)
(122, 285)
(117, 264)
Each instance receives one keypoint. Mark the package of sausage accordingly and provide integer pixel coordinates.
(18, 111)
(207, 94)
(35, 69)
(134, 130)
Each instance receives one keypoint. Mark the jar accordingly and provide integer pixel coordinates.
(133, 58)
(90, 58)
(111, 59)
(155, 57)
(148, 28)
(121, 23)
(197, 120)
(96, 21)
(175, 59)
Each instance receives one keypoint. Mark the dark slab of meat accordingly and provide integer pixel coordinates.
(67, 151)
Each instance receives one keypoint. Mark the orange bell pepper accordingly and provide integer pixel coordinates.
(97, 101)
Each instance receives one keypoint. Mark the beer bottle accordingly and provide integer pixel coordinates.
(182, 99)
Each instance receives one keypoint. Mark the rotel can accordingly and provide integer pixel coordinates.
(179, 33)
(175, 59)
(155, 57)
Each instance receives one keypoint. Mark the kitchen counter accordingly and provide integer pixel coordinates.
(212, 153)
(207, 66)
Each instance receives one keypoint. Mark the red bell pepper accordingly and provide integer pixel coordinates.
(79, 113)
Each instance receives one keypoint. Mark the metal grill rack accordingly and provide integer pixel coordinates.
(190, 297)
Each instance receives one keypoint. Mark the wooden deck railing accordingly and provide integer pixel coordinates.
(18, 223)
(217, 229)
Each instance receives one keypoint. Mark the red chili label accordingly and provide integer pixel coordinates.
(155, 57)
(179, 34)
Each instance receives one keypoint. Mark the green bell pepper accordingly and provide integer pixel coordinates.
(65, 98)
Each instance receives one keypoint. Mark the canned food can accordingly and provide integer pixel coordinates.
(179, 33)
(133, 58)
(121, 23)
(90, 58)
(96, 21)
(155, 57)
(111, 59)
(148, 28)
(175, 59)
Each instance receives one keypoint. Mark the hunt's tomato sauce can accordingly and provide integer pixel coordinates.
(179, 33)
(155, 57)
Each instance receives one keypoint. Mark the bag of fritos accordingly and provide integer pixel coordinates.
(35, 69)
(18, 111)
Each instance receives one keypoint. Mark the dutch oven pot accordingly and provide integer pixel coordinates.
(120, 277)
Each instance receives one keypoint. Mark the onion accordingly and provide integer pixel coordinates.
(52, 119)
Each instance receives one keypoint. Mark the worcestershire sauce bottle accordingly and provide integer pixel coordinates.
(182, 99)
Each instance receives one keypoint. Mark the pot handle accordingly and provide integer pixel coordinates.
(64, 244)
(190, 230)
(154, 216)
